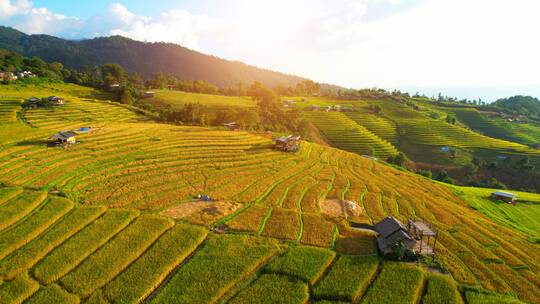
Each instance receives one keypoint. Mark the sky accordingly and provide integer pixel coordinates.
(465, 48)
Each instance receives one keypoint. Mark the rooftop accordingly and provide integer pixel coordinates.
(505, 194)
(388, 226)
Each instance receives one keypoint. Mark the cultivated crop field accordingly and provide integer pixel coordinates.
(177, 99)
(342, 132)
(102, 255)
(120, 177)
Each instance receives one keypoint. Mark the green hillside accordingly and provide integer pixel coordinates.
(127, 190)
(344, 133)
(492, 124)
(143, 58)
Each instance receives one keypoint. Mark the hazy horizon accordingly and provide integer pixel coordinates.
(481, 49)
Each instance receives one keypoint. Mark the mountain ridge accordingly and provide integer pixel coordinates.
(144, 58)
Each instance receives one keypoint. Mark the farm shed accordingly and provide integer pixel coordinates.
(67, 137)
(506, 197)
(288, 144)
(57, 101)
(149, 94)
(392, 231)
(232, 126)
(421, 231)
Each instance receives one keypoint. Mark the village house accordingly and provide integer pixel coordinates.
(32, 102)
(232, 126)
(7, 76)
(25, 74)
(289, 103)
(67, 137)
(287, 144)
(506, 197)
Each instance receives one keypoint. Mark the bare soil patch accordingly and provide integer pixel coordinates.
(202, 212)
(336, 208)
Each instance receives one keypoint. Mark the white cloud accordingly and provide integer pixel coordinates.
(356, 43)
(178, 26)
(8, 9)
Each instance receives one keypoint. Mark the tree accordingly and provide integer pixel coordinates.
(126, 97)
(469, 170)
(112, 74)
(398, 159)
(376, 109)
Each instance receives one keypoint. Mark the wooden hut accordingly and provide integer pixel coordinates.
(392, 231)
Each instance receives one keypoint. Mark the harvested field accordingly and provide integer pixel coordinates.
(338, 208)
(201, 212)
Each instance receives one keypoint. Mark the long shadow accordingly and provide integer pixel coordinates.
(27, 143)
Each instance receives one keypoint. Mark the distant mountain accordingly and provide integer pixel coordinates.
(141, 57)
(525, 105)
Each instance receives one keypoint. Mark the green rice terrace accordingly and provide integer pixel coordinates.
(117, 217)
(419, 136)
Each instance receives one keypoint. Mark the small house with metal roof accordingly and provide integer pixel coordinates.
(66, 137)
(287, 144)
(506, 197)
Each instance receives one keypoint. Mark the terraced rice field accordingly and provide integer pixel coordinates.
(415, 127)
(8, 110)
(522, 216)
(178, 98)
(166, 262)
(380, 126)
(142, 167)
(525, 133)
(344, 133)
